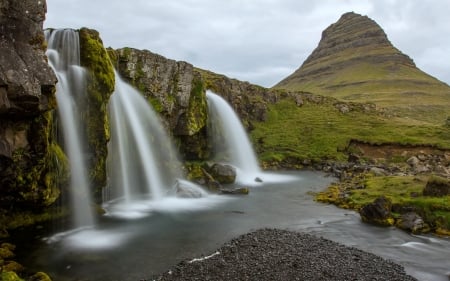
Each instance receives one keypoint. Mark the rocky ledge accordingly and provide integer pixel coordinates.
(272, 254)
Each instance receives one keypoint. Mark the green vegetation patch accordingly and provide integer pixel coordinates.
(319, 131)
(405, 192)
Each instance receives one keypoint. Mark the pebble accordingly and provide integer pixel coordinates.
(275, 254)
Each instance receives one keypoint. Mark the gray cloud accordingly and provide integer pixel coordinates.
(261, 41)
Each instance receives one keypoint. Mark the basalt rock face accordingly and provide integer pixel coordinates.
(100, 85)
(355, 61)
(28, 154)
(176, 93)
(26, 80)
(248, 100)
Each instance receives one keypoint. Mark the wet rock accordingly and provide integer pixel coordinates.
(238, 190)
(378, 212)
(437, 187)
(223, 173)
(184, 189)
(412, 222)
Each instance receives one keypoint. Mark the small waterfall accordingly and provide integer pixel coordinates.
(142, 160)
(64, 57)
(230, 137)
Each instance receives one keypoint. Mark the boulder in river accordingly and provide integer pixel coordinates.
(378, 212)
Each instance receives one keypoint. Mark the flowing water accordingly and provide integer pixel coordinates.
(64, 57)
(134, 249)
(148, 228)
(232, 145)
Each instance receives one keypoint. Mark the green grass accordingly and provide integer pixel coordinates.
(405, 191)
(351, 75)
(320, 131)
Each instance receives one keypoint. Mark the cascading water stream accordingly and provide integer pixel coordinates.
(64, 57)
(230, 135)
(142, 154)
(233, 146)
(144, 169)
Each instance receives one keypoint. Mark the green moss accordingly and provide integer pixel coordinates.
(197, 112)
(40, 276)
(100, 86)
(319, 131)
(403, 191)
(9, 276)
(156, 104)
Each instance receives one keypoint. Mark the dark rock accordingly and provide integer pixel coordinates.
(223, 173)
(238, 190)
(378, 212)
(437, 187)
(353, 158)
(175, 90)
(27, 83)
(28, 152)
(258, 179)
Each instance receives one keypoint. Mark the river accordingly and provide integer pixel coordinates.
(148, 240)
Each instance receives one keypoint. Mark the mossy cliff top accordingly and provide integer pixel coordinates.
(100, 86)
(355, 61)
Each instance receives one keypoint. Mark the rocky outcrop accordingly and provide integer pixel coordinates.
(378, 212)
(248, 100)
(223, 173)
(100, 85)
(412, 222)
(31, 163)
(437, 187)
(174, 90)
(27, 83)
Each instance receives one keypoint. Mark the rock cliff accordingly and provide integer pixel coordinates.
(355, 61)
(176, 90)
(100, 85)
(28, 154)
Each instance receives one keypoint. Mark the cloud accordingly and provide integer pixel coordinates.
(261, 41)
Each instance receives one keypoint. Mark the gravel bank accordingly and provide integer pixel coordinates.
(273, 254)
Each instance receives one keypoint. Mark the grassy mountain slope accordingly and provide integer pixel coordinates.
(322, 129)
(355, 61)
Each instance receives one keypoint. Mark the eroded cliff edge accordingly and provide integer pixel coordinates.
(28, 153)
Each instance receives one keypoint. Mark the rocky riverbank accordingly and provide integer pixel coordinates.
(273, 254)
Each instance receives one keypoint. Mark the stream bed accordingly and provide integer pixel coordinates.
(145, 239)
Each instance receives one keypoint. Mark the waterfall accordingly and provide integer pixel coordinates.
(64, 57)
(143, 161)
(231, 138)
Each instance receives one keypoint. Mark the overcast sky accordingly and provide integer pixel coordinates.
(260, 41)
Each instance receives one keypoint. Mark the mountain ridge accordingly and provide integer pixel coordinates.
(355, 61)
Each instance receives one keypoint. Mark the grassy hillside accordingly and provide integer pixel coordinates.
(319, 130)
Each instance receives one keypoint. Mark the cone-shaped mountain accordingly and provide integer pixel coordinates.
(355, 61)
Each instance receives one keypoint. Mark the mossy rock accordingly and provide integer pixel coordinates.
(9, 276)
(378, 212)
(437, 187)
(40, 276)
(100, 85)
